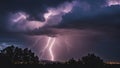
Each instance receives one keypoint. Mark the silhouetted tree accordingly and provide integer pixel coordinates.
(4, 59)
(91, 59)
(17, 55)
(71, 61)
(79, 61)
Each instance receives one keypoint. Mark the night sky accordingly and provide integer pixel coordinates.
(78, 26)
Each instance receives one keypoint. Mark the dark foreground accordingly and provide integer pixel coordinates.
(14, 57)
(60, 66)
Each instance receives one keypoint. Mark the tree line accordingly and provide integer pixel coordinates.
(15, 55)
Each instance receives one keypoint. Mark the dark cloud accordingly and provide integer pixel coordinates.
(81, 19)
(99, 18)
(35, 8)
(32, 7)
(44, 31)
(93, 4)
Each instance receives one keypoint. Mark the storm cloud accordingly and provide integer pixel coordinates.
(73, 22)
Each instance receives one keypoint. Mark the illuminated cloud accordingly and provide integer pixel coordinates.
(113, 2)
(19, 21)
(54, 15)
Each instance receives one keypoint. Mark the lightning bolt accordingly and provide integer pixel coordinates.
(21, 16)
(49, 46)
(50, 49)
(48, 43)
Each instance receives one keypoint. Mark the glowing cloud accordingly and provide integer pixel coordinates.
(20, 16)
(54, 15)
(113, 2)
(20, 21)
